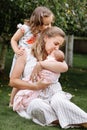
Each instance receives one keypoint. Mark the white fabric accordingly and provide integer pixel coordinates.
(23, 42)
(57, 108)
(27, 35)
(30, 63)
(52, 104)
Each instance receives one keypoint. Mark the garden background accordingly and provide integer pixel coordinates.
(71, 16)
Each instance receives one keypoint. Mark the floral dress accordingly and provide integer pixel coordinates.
(25, 42)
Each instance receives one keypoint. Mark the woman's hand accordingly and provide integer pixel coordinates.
(41, 84)
(35, 73)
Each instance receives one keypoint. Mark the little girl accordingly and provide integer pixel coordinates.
(26, 35)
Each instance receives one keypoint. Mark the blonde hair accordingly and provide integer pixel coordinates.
(37, 16)
(38, 49)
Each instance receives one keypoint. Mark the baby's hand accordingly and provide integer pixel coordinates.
(20, 51)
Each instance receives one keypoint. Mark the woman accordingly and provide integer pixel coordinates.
(53, 66)
(52, 103)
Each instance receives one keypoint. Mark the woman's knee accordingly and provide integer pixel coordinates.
(56, 100)
(34, 103)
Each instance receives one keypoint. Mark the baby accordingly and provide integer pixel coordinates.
(49, 76)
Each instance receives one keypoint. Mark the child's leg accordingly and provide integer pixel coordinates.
(17, 73)
(13, 93)
(18, 67)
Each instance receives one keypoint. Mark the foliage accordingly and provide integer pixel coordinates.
(70, 14)
(10, 14)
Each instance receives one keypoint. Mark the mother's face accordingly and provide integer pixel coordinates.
(53, 43)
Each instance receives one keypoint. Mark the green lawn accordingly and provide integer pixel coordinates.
(74, 81)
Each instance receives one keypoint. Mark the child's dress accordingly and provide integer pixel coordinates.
(25, 42)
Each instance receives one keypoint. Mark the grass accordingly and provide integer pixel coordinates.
(73, 81)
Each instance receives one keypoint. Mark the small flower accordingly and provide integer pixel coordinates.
(31, 40)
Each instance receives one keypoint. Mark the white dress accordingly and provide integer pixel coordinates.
(52, 104)
(22, 98)
(25, 42)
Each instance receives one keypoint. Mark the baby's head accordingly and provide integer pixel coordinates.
(58, 55)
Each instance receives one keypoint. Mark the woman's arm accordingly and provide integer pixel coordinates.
(21, 84)
(55, 66)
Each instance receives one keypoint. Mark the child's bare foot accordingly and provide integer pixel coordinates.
(10, 105)
(84, 125)
(54, 123)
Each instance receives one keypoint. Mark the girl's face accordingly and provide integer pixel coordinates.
(53, 43)
(47, 21)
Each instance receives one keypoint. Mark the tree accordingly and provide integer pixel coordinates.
(70, 16)
(10, 14)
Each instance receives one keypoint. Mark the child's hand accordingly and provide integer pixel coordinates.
(20, 51)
